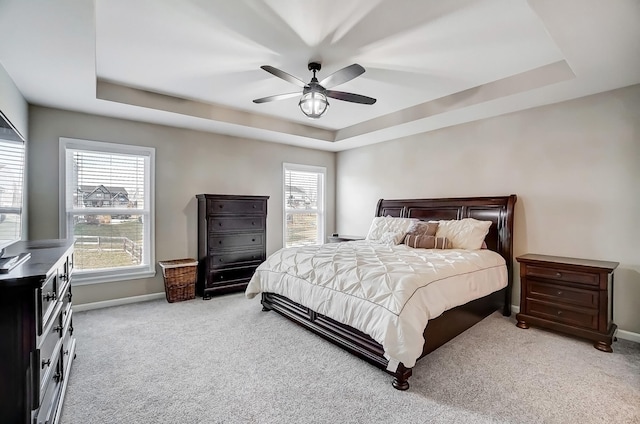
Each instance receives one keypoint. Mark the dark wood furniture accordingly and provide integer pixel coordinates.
(37, 344)
(571, 295)
(498, 210)
(232, 240)
(339, 238)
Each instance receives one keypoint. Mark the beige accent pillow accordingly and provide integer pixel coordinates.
(427, 242)
(422, 228)
(466, 233)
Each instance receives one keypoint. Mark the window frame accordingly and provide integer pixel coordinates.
(147, 268)
(322, 192)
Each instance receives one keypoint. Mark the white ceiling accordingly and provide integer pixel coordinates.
(429, 63)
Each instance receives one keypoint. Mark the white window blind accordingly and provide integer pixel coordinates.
(11, 190)
(108, 209)
(304, 200)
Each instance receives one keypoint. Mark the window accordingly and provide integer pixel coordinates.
(106, 196)
(11, 179)
(303, 204)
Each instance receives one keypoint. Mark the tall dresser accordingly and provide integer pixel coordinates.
(37, 344)
(232, 233)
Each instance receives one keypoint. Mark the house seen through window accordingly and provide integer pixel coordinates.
(108, 209)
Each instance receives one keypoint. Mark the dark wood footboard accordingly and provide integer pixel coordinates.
(439, 330)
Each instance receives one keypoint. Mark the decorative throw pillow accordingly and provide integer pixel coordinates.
(392, 238)
(385, 224)
(422, 228)
(466, 233)
(427, 242)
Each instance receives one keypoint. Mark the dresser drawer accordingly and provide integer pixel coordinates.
(561, 294)
(580, 317)
(231, 275)
(562, 275)
(51, 399)
(50, 344)
(224, 224)
(232, 241)
(47, 300)
(237, 206)
(226, 259)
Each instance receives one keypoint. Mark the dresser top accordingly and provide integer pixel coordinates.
(561, 260)
(44, 255)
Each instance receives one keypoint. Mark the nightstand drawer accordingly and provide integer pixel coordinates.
(562, 294)
(562, 275)
(587, 318)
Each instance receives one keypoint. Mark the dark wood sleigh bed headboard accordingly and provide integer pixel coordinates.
(499, 210)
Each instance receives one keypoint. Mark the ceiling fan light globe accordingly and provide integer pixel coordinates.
(313, 104)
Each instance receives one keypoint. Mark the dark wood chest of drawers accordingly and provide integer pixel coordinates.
(37, 345)
(570, 295)
(232, 233)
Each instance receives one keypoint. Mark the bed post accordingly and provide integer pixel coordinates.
(400, 377)
(508, 251)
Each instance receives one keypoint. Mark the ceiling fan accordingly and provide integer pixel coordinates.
(313, 102)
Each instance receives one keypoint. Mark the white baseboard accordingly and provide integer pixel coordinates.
(117, 302)
(621, 334)
(628, 335)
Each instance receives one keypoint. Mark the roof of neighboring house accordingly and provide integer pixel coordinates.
(111, 189)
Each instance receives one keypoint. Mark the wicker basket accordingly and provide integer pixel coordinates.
(180, 277)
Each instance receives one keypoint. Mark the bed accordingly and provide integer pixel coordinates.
(366, 342)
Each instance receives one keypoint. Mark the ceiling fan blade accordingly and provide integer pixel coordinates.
(342, 76)
(276, 97)
(350, 97)
(281, 74)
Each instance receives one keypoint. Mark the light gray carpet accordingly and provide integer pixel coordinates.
(226, 361)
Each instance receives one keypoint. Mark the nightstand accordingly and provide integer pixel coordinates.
(337, 238)
(570, 295)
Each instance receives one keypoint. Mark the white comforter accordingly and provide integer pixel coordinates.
(387, 292)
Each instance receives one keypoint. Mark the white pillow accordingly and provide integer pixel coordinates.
(392, 238)
(466, 233)
(388, 224)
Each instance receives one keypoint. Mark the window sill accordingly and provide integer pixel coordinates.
(82, 279)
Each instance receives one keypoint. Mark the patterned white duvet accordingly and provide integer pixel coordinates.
(387, 292)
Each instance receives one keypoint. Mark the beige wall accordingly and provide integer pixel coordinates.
(575, 167)
(187, 163)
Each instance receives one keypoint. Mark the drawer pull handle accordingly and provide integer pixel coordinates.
(63, 277)
(50, 296)
(558, 274)
(58, 329)
(71, 330)
(69, 296)
(220, 242)
(219, 224)
(221, 260)
(222, 277)
(46, 363)
(559, 293)
(221, 206)
(559, 312)
(253, 239)
(66, 352)
(254, 206)
(57, 377)
(253, 223)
